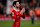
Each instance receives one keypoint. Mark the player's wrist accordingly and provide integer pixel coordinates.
(21, 13)
(13, 20)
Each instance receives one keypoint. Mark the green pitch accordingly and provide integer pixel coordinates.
(24, 23)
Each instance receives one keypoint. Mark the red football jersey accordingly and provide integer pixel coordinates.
(16, 15)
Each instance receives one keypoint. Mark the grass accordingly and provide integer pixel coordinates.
(24, 23)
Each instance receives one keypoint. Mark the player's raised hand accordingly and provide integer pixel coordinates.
(23, 10)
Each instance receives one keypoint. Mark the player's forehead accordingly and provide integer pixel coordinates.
(17, 2)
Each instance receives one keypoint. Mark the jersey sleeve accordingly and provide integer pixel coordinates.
(13, 15)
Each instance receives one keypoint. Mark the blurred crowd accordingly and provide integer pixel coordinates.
(30, 4)
(3, 7)
(27, 4)
(32, 7)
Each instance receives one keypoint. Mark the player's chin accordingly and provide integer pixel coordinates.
(17, 7)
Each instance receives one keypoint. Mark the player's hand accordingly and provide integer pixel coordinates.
(13, 20)
(23, 10)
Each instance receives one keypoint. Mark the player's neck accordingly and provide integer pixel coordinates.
(16, 8)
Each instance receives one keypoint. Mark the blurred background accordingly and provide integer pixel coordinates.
(32, 8)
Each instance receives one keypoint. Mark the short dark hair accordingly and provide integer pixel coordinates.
(14, 3)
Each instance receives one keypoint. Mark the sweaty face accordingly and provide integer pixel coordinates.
(17, 4)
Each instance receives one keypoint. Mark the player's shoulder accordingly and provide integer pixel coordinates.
(12, 9)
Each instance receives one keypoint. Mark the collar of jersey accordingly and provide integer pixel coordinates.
(15, 9)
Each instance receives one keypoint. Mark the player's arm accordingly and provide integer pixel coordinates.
(22, 11)
(13, 16)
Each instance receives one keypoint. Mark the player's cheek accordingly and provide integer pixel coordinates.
(18, 5)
